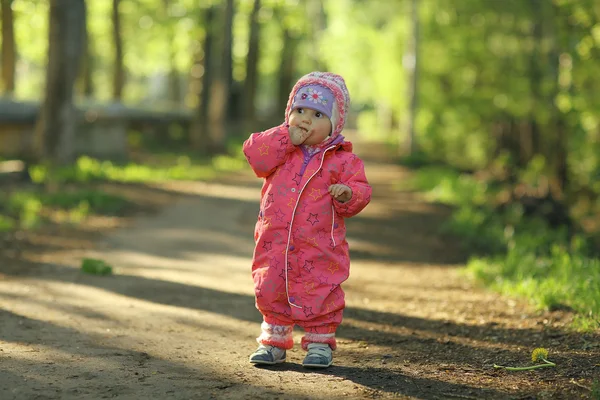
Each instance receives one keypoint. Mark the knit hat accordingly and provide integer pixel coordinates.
(321, 91)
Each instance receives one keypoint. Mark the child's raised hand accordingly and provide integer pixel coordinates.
(340, 192)
(298, 135)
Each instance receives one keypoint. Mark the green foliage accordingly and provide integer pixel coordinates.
(30, 208)
(88, 169)
(94, 266)
(519, 256)
(596, 390)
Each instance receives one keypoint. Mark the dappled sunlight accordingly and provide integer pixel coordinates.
(216, 190)
(215, 271)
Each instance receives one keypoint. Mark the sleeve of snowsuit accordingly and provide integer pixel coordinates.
(267, 150)
(354, 176)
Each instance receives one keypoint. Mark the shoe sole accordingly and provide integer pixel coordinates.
(260, 362)
(317, 366)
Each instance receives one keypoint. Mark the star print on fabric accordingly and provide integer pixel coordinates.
(322, 234)
(313, 242)
(279, 215)
(280, 296)
(298, 232)
(308, 312)
(308, 265)
(264, 149)
(288, 166)
(290, 203)
(309, 287)
(261, 165)
(282, 189)
(333, 287)
(280, 154)
(267, 245)
(344, 164)
(258, 293)
(286, 312)
(331, 243)
(297, 179)
(330, 306)
(274, 262)
(283, 140)
(287, 227)
(313, 218)
(270, 199)
(303, 205)
(270, 285)
(323, 279)
(315, 194)
(333, 266)
(267, 221)
(282, 274)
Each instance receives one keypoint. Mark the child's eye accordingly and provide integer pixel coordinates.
(300, 110)
(318, 115)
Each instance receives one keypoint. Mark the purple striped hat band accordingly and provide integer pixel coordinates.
(315, 97)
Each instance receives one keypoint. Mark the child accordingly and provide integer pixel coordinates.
(312, 181)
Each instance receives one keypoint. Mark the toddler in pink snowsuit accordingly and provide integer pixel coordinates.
(312, 182)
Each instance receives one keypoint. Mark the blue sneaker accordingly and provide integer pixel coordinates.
(319, 356)
(268, 355)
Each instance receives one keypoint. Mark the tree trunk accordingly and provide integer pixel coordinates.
(87, 62)
(221, 84)
(56, 126)
(412, 66)
(174, 89)
(202, 80)
(286, 71)
(251, 82)
(9, 52)
(317, 15)
(119, 70)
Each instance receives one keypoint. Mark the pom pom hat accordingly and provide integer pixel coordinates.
(322, 91)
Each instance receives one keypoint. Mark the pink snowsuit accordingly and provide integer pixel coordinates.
(301, 256)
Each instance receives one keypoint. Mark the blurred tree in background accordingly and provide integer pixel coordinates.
(505, 87)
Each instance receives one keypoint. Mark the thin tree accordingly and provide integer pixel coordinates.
(202, 80)
(251, 81)
(221, 83)
(9, 51)
(119, 70)
(57, 123)
(412, 65)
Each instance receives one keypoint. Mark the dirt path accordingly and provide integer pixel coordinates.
(177, 320)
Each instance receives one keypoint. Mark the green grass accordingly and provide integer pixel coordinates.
(514, 255)
(28, 209)
(87, 169)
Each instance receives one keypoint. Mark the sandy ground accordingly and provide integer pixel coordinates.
(177, 319)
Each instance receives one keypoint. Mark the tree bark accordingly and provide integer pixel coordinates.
(56, 126)
(9, 52)
(202, 80)
(286, 70)
(251, 82)
(412, 66)
(87, 61)
(119, 70)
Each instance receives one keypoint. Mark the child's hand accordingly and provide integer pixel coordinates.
(341, 193)
(298, 135)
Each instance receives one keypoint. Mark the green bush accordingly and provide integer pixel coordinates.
(518, 255)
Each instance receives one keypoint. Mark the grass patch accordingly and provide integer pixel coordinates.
(88, 169)
(28, 209)
(515, 255)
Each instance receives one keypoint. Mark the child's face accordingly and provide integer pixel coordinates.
(315, 122)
